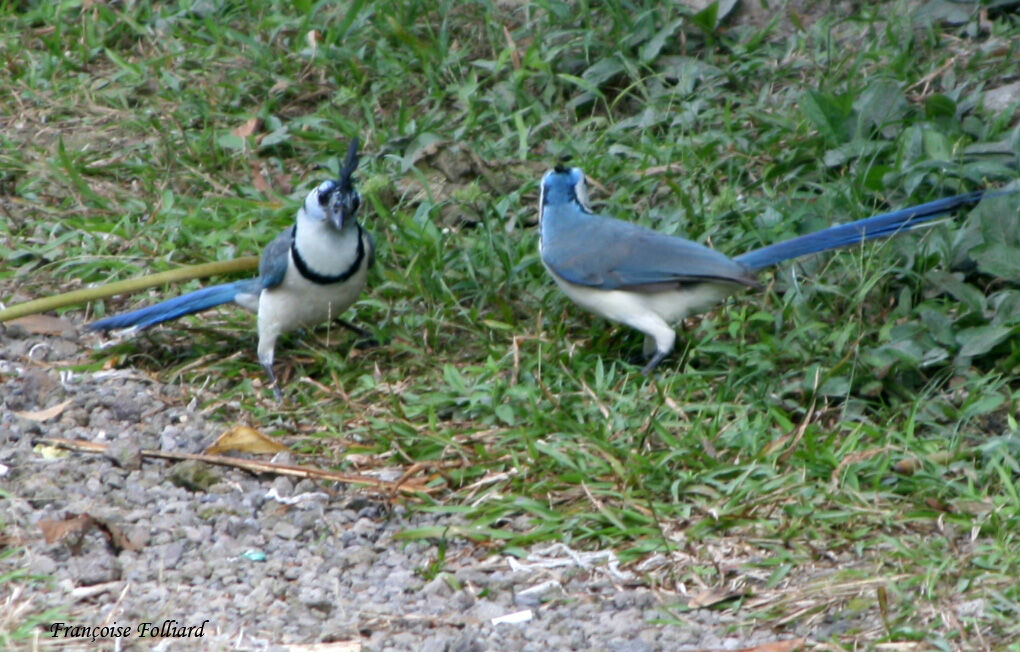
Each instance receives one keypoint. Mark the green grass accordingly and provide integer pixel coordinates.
(21, 618)
(780, 429)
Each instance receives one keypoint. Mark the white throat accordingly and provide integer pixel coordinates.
(324, 249)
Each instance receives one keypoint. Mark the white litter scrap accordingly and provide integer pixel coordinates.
(654, 562)
(515, 618)
(559, 555)
(534, 595)
(317, 496)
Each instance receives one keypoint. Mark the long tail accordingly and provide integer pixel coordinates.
(178, 306)
(844, 235)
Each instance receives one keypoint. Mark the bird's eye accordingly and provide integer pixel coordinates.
(325, 189)
(581, 191)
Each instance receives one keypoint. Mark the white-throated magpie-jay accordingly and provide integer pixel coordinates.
(310, 273)
(649, 280)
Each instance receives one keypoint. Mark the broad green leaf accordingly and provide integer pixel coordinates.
(939, 106)
(854, 149)
(650, 50)
(981, 339)
(971, 297)
(602, 71)
(1006, 305)
(983, 404)
(882, 103)
(708, 18)
(936, 146)
(998, 260)
(828, 114)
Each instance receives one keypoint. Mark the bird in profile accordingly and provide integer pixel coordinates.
(649, 280)
(310, 273)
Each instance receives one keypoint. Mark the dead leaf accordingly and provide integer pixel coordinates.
(656, 170)
(906, 466)
(776, 445)
(974, 507)
(248, 128)
(118, 539)
(46, 414)
(854, 458)
(49, 452)
(883, 603)
(910, 465)
(245, 440)
(515, 56)
(280, 86)
(937, 505)
(283, 184)
(313, 38)
(43, 324)
(258, 180)
(710, 597)
(54, 530)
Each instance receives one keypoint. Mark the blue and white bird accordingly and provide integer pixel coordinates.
(310, 273)
(649, 280)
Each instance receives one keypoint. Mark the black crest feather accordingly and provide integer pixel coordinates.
(348, 167)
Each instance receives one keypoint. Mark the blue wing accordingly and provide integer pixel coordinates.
(275, 257)
(606, 253)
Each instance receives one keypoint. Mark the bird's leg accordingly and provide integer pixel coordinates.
(659, 337)
(266, 350)
(658, 357)
(272, 381)
(359, 331)
(648, 350)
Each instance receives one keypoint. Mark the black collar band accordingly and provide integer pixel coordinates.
(323, 279)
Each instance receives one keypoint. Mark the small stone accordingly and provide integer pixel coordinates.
(193, 475)
(439, 587)
(287, 530)
(124, 454)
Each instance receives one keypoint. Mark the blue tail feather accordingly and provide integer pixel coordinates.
(186, 304)
(843, 235)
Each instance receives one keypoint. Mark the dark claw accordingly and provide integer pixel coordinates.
(654, 362)
(272, 382)
(365, 341)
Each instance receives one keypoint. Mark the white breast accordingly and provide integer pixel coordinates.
(325, 250)
(299, 303)
(624, 306)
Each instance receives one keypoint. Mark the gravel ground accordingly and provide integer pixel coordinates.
(261, 561)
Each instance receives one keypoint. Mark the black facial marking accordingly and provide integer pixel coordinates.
(324, 195)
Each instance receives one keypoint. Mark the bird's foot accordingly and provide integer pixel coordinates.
(268, 366)
(365, 339)
(657, 358)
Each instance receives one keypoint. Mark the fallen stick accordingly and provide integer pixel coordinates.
(256, 466)
(128, 286)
